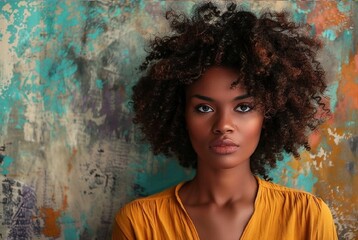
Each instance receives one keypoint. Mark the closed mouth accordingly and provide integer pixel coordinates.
(223, 146)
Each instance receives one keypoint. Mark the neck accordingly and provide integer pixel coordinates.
(222, 186)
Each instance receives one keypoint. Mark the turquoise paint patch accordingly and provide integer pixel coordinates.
(115, 12)
(12, 30)
(99, 84)
(303, 181)
(4, 167)
(69, 227)
(332, 93)
(34, 19)
(344, 6)
(95, 34)
(55, 72)
(300, 17)
(21, 118)
(329, 34)
(169, 173)
(4, 13)
(26, 26)
(306, 182)
(125, 54)
(276, 174)
(301, 11)
(64, 18)
(11, 99)
(85, 225)
(347, 47)
(350, 123)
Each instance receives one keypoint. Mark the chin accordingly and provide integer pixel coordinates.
(226, 162)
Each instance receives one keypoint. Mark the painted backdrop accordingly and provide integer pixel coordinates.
(69, 154)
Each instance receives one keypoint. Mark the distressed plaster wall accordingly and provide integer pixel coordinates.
(69, 154)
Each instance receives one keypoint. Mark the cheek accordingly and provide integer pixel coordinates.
(252, 130)
(194, 127)
(197, 128)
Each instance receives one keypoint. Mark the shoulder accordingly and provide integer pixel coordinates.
(293, 199)
(138, 219)
(289, 213)
(277, 190)
(151, 204)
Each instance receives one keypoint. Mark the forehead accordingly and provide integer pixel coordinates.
(216, 81)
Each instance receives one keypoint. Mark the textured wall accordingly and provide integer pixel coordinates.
(69, 155)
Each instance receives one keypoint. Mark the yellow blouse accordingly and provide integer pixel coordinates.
(280, 213)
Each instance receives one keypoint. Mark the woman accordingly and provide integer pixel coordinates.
(227, 93)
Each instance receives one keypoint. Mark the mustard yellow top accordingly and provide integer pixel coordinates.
(280, 213)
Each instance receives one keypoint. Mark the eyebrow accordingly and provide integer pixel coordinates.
(213, 100)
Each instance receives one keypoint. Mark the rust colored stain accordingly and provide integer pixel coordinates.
(70, 165)
(326, 15)
(51, 227)
(64, 201)
(50, 216)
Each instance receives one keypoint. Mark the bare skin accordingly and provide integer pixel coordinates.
(224, 128)
(217, 210)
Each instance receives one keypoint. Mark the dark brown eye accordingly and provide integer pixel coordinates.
(243, 108)
(204, 109)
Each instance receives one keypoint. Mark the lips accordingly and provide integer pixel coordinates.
(223, 146)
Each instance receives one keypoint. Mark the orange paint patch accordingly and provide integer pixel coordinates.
(326, 15)
(356, 63)
(348, 88)
(50, 217)
(51, 227)
(314, 139)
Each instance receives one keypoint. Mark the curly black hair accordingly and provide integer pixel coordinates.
(276, 62)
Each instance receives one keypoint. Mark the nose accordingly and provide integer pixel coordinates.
(223, 123)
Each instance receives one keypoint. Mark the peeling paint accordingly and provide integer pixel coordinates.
(66, 71)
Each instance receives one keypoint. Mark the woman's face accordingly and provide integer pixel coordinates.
(223, 123)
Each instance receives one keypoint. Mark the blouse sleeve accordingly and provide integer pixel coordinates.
(326, 229)
(123, 227)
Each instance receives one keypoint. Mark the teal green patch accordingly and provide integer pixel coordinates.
(11, 99)
(284, 171)
(115, 11)
(85, 225)
(282, 166)
(169, 173)
(95, 34)
(12, 30)
(329, 34)
(347, 47)
(55, 87)
(332, 93)
(344, 6)
(34, 19)
(65, 19)
(350, 123)
(69, 227)
(99, 84)
(306, 182)
(21, 117)
(301, 11)
(4, 167)
(300, 17)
